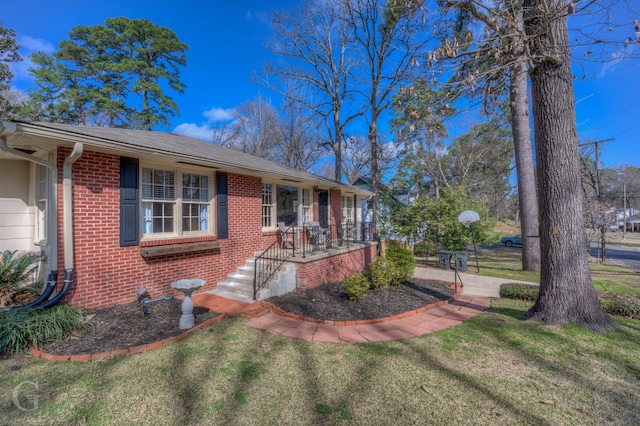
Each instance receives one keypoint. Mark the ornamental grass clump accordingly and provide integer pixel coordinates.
(20, 329)
(356, 287)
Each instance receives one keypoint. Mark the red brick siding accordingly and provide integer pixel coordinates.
(107, 274)
(335, 206)
(334, 269)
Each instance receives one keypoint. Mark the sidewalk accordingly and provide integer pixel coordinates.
(476, 293)
(472, 285)
(429, 321)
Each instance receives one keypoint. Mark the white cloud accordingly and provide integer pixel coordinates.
(216, 121)
(28, 45)
(31, 44)
(20, 70)
(204, 132)
(215, 115)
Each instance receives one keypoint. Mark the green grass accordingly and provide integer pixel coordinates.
(505, 262)
(493, 369)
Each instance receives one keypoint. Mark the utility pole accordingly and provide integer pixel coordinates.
(624, 210)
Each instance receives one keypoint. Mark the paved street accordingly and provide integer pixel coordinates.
(618, 255)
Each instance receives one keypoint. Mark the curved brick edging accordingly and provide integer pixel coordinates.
(300, 317)
(130, 351)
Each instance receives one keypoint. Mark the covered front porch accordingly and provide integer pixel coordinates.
(302, 257)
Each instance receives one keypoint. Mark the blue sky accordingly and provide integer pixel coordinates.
(226, 45)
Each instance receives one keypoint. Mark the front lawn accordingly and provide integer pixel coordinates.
(493, 369)
(504, 262)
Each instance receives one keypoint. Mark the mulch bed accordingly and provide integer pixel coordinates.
(329, 302)
(125, 326)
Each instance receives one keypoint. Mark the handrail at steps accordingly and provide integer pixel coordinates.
(268, 263)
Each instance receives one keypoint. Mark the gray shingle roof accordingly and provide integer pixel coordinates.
(188, 149)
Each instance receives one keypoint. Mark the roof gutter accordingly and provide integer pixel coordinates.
(67, 204)
(111, 144)
(8, 129)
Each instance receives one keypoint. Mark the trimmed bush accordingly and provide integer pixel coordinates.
(22, 328)
(403, 258)
(619, 304)
(384, 273)
(356, 287)
(519, 291)
(623, 305)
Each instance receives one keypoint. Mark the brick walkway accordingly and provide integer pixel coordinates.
(429, 321)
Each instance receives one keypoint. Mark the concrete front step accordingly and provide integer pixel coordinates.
(234, 296)
(239, 285)
(241, 278)
(236, 287)
(246, 270)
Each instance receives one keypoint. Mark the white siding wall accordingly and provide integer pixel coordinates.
(17, 213)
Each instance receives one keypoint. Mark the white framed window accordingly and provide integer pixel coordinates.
(291, 205)
(42, 194)
(347, 208)
(195, 202)
(173, 206)
(306, 205)
(268, 206)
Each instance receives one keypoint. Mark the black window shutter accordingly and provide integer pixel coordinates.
(129, 202)
(222, 205)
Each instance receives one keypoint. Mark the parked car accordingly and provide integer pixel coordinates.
(512, 240)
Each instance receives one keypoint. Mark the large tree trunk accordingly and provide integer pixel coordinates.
(375, 169)
(337, 148)
(521, 132)
(566, 293)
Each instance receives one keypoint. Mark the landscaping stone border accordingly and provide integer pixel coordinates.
(101, 356)
(300, 317)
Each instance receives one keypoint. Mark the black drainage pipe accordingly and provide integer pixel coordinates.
(68, 279)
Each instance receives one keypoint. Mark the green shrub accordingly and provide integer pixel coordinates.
(356, 286)
(519, 291)
(624, 305)
(20, 329)
(403, 258)
(17, 267)
(384, 273)
(620, 304)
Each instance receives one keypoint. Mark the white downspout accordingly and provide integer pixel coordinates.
(7, 129)
(67, 205)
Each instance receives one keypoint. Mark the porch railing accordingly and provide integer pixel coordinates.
(307, 240)
(268, 263)
(311, 238)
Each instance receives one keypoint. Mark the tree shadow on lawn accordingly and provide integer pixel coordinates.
(571, 342)
(517, 314)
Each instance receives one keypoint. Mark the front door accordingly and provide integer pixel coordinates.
(323, 208)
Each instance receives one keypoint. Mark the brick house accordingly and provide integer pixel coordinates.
(118, 208)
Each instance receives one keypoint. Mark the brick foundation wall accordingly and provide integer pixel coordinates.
(107, 274)
(335, 268)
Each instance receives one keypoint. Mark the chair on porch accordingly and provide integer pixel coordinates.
(313, 234)
(285, 235)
